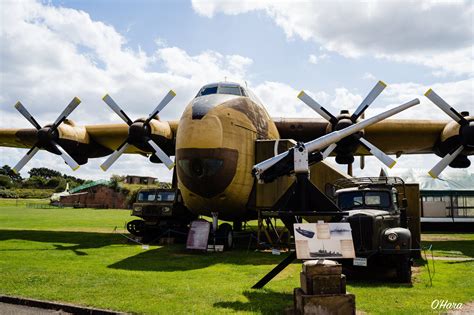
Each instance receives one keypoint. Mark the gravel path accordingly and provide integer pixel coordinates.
(467, 308)
(13, 309)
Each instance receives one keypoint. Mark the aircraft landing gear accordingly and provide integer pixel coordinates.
(223, 235)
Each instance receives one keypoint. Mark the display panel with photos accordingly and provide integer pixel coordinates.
(323, 240)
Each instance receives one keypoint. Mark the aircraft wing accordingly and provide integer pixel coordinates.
(92, 141)
(393, 136)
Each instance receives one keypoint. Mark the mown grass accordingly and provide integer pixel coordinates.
(61, 219)
(59, 254)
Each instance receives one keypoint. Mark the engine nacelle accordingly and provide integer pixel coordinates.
(77, 142)
(454, 135)
(158, 131)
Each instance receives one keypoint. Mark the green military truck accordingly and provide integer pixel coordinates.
(161, 211)
(377, 208)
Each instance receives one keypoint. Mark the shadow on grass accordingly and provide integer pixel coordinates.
(263, 301)
(373, 277)
(81, 240)
(176, 258)
(168, 258)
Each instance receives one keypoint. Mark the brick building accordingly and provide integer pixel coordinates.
(99, 196)
(144, 180)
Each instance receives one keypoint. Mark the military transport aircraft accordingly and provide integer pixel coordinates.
(214, 141)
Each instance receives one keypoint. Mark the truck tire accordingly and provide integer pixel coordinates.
(136, 227)
(225, 236)
(404, 270)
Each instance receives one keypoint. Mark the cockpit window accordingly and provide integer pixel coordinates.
(228, 89)
(233, 90)
(208, 90)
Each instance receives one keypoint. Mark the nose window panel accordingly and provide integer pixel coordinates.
(200, 167)
(206, 172)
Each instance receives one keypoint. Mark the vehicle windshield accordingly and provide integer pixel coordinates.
(361, 199)
(155, 196)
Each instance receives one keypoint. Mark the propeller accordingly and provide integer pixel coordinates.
(47, 136)
(139, 133)
(327, 141)
(466, 133)
(346, 147)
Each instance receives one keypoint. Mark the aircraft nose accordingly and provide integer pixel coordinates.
(206, 172)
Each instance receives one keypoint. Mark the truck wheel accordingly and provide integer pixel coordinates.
(225, 236)
(404, 270)
(136, 227)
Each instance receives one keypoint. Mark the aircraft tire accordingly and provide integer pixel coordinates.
(225, 236)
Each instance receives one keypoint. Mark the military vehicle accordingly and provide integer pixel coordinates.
(377, 208)
(161, 210)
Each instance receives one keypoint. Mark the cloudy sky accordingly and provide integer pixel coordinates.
(137, 50)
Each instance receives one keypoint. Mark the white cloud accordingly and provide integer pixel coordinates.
(434, 34)
(459, 94)
(51, 54)
(345, 100)
(315, 59)
(369, 76)
(281, 100)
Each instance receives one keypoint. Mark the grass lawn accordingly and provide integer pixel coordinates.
(72, 255)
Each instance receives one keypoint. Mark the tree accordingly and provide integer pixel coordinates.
(114, 182)
(61, 185)
(70, 179)
(54, 182)
(36, 182)
(44, 172)
(5, 181)
(7, 170)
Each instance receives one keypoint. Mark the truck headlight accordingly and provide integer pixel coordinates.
(137, 209)
(166, 210)
(392, 237)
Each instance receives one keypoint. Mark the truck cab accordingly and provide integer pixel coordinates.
(378, 221)
(160, 210)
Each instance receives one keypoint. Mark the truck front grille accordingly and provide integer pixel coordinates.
(362, 232)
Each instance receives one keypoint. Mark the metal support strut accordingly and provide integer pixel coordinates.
(301, 198)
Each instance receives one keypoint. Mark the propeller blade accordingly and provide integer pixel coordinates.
(308, 100)
(377, 89)
(66, 157)
(335, 136)
(161, 155)
(338, 135)
(19, 106)
(445, 107)
(445, 161)
(329, 150)
(109, 101)
(379, 154)
(114, 156)
(66, 112)
(171, 94)
(28, 156)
